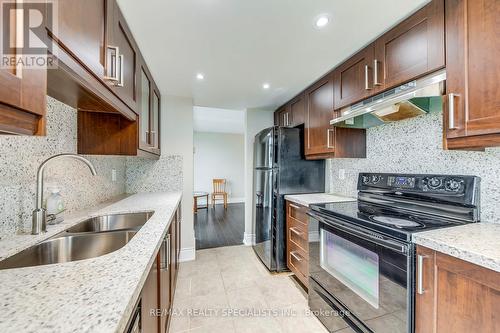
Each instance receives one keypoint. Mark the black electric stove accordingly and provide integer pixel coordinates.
(399, 205)
(362, 262)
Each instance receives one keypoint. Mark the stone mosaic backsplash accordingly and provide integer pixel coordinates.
(415, 146)
(20, 157)
(147, 175)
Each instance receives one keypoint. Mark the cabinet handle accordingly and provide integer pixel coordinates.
(328, 144)
(120, 60)
(294, 206)
(114, 65)
(296, 256)
(375, 73)
(451, 111)
(168, 250)
(367, 84)
(163, 264)
(153, 137)
(295, 231)
(420, 274)
(287, 120)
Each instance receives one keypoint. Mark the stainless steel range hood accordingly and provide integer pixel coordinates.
(406, 101)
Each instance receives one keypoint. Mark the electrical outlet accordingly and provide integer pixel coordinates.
(113, 175)
(341, 174)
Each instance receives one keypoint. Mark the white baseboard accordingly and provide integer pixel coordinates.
(187, 254)
(248, 239)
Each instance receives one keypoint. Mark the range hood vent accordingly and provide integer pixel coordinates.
(406, 101)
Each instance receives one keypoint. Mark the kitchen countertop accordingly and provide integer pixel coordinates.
(92, 295)
(317, 198)
(478, 243)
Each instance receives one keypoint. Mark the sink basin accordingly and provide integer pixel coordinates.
(112, 222)
(69, 248)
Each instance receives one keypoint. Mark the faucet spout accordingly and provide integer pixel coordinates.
(40, 214)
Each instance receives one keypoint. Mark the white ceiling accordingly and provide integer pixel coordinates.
(240, 44)
(218, 120)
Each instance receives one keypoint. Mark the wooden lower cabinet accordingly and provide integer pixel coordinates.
(453, 295)
(297, 241)
(158, 291)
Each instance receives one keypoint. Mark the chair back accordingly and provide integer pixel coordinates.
(219, 185)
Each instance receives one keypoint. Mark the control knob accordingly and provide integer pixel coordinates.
(376, 179)
(434, 183)
(365, 179)
(453, 185)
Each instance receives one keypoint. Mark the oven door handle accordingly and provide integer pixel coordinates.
(359, 232)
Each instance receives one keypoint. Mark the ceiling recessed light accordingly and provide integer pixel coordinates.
(322, 21)
(200, 76)
(266, 86)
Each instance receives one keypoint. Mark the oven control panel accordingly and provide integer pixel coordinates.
(445, 184)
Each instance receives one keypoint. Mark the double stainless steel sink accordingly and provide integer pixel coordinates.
(91, 238)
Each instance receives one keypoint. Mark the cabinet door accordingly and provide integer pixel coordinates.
(82, 31)
(297, 111)
(354, 78)
(455, 295)
(413, 48)
(424, 294)
(173, 255)
(123, 64)
(155, 121)
(145, 111)
(22, 97)
(165, 291)
(472, 69)
(319, 134)
(149, 300)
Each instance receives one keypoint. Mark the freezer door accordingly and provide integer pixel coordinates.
(264, 149)
(263, 212)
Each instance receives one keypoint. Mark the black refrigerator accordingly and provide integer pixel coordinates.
(279, 169)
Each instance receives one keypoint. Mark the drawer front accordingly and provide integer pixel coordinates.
(297, 212)
(297, 260)
(297, 234)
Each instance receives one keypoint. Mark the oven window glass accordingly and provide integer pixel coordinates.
(351, 264)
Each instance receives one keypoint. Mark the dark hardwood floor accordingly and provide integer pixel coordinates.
(219, 227)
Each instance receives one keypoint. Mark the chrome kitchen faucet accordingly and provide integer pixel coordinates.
(40, 213)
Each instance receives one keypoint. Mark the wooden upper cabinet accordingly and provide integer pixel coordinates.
(122, 55)
(82, 32)
(472, 109)
(149, 111)
(319, 111)
(454, 295)
(22, 96)
(354, 78)
(297, 110)
(413, 48)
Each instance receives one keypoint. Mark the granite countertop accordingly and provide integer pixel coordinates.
(92, 295)
(478, 243)
(317, 198)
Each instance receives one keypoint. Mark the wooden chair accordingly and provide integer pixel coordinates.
(219, 191)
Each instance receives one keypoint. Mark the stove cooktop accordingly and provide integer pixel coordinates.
(381, 219)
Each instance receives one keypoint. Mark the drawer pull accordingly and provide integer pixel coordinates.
(295, 231)
(296, 256)
(294, 206)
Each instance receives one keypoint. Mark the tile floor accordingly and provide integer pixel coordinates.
(228, 289)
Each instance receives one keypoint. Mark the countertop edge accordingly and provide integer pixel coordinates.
(476, 257)
(301, 199)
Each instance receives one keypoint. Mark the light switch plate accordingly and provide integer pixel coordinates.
(113, 175)
(341, 174)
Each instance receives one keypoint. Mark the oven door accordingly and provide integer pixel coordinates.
(366, 275)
